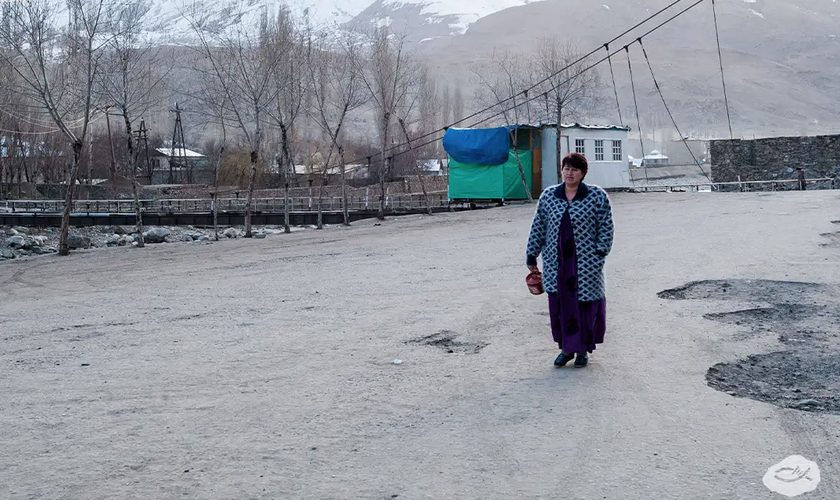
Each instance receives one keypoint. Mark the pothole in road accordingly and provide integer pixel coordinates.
(745, 290)
(801, 380)
(833, 240)
(767, 318)
(806, 318)
(447, 341)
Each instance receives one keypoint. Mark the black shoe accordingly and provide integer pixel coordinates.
(581, 360)
(562, 359)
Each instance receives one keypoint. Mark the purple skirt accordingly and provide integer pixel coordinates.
(576, 326)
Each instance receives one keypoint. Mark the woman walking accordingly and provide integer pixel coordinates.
(573, 232)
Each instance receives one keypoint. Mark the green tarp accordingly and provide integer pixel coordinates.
(468, 181)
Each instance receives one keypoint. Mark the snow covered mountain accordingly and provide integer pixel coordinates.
(422, 19)
(782, 57)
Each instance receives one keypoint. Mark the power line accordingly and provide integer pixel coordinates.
(638, 118)
(615, 87)
(722, 78)
(659, 90)
(548, 78)
(554, 86)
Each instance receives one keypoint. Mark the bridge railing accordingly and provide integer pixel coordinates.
(264, 205)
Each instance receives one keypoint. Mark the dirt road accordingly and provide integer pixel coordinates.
(264, 369)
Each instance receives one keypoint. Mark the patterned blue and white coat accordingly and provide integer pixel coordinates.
(591, 216)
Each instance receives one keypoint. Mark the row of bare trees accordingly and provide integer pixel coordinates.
(278, 80)
(67, 65)
(272, 81)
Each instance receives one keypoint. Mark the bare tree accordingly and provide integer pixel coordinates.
(243, 62)
(337, 90)
(570, 90)
(133, 73)
(389, 77)
(290, 89)
(501, 90)
(57, 70)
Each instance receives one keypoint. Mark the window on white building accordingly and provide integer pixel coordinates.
(617, 156)
(580, 146)
(599, 150)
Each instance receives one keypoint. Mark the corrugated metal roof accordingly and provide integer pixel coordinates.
(585, 126)
(565, 125)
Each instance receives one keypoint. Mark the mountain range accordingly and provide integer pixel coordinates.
(780, 57)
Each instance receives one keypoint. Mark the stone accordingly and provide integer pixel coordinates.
(112, 240)
(119, 230)
(16, 241)
(7, 254)
(21, 230)
(125, 240)
(37, 250)
(75, 242)
(40, 240)
(49, 250)
(156, 235)
(187, 238)
(231, 233)
(806, 403)
(259, 236)
(204, 237)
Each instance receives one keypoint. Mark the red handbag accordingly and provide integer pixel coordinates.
(535, 283)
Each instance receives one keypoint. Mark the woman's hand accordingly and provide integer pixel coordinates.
(534, 269)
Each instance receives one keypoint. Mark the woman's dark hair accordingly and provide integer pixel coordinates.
(578, 161)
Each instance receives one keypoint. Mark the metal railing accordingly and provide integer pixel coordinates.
(743, 186)
(237, 205)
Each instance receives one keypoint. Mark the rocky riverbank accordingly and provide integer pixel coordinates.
(22, 242)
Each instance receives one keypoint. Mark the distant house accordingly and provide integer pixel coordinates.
(655, 159)
(184, 166)
(433, 167)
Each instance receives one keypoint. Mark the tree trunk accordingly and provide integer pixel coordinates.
(112, 167)
(344, 206)
(559, 144)
(514, 136)
(215, 203)
(138, 209)
(134, 156)
(287, 163)
(320, 205)
(386, 125)
(251, 178)
(287, 227)
(63, 247)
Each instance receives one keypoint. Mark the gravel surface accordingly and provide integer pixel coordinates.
(407, 360)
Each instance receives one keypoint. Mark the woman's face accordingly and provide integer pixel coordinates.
(571, 175)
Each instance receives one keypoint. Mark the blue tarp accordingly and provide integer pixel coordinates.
(487, 146)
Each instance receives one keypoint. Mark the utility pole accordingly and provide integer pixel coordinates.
(178, 135)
